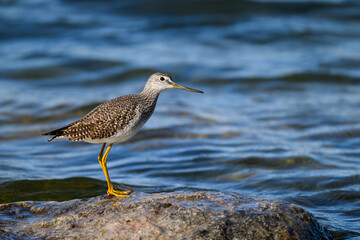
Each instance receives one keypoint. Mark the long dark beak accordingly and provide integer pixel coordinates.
(175, 85)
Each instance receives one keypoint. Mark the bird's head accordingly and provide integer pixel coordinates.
(161, 81)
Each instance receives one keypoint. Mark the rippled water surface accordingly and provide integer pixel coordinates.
(279, 119)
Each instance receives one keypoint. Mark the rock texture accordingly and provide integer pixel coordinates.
(201, 215)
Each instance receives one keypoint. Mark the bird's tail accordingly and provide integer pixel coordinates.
(58, 133)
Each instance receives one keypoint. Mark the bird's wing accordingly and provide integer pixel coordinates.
(104, 121)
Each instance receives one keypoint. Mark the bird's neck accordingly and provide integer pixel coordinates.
(150, 96)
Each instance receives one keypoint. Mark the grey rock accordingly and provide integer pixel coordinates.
(179, 215)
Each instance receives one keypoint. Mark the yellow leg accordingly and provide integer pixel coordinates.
(102, 160)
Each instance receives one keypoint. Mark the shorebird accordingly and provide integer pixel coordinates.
(117, 120)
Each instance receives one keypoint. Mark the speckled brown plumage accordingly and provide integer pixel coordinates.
(109, 118)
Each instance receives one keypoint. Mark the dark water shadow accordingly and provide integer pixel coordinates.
(69, 188)
(51, 190)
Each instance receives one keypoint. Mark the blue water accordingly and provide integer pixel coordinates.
(279, 119)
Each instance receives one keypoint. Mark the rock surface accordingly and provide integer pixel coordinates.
(201, 215)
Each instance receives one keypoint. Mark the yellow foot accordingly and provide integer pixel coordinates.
(118, 193)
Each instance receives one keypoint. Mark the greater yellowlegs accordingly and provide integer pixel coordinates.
(117, 120)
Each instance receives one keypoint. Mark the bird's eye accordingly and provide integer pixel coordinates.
(162, 78)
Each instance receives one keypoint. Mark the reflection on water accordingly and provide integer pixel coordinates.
(279, 118)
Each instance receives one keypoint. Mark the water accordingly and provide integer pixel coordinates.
(279, 118)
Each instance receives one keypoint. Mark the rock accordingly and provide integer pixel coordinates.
(179, 215)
